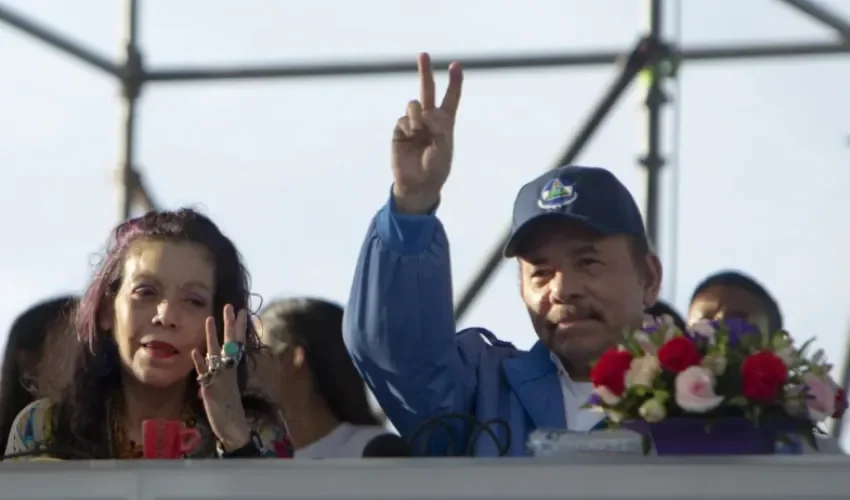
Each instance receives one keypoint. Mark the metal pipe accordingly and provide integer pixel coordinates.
(131, 86)
(530, 61)
(52, 38)
(654, 100)
(821, 14)
(636, 61)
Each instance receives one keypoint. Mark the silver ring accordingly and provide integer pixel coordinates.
(205, 379)
(214, 362)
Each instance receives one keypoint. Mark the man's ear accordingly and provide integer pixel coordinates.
(652, 277)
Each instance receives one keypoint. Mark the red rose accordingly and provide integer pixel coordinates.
(762, 376)
(610, 370)
(840, 403)
(678, 354)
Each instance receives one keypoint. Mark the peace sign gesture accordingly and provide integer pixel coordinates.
(217, 378)
(423, 142)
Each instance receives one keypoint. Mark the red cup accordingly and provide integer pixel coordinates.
(168, 439)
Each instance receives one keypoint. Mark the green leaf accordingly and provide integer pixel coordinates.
(757, 410)
(641, 391)
(809, 436)
(803, 348)
(646, 444)
(737, 401)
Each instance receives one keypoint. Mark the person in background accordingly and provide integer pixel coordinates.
(309, 375)
(170, 288)
(732, 294)
(24, 345)
(661, 308)
(586, 273)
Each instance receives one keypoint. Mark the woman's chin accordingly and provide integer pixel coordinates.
(159, 377)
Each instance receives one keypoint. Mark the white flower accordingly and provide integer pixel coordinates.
(795, 402)
(644, 340)
(714, 363)
(788, 355)
(606, 396)
(695, 390)
(820, 396)
(652, 411)
(704, 329)
(642, 371)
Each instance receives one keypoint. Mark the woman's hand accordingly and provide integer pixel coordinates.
(217, 378)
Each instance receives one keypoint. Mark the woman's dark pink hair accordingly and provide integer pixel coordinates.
(81, 372)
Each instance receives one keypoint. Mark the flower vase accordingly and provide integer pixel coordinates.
(725, 436)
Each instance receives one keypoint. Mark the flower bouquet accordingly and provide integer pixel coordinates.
(721, 387)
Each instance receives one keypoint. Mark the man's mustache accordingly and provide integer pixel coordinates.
(573, 313)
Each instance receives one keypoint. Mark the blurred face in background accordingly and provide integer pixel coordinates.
(158, 315)
(280, 372)
(719, 302)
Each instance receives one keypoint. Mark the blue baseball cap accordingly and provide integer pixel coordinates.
(591, 196)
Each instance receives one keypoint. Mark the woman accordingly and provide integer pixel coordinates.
(23, 351)
(171, 288)
(309, 375)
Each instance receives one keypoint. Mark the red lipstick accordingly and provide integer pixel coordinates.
(158, 349)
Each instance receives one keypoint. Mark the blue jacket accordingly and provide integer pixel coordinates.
(400, 332)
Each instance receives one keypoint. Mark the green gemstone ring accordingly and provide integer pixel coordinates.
(231, 349)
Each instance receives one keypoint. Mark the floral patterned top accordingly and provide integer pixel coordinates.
(33, 428)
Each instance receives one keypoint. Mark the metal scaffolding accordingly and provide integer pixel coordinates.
(653, 55)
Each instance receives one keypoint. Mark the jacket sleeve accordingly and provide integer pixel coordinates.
(399, 324)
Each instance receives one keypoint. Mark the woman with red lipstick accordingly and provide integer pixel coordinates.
(160, 333)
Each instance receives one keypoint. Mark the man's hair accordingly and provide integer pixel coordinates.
(661, 308)
(736, 279)
(639, 248)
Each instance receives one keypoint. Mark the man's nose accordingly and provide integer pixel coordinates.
(167, 314)
(565, 287)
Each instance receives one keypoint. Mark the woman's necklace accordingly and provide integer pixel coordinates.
(121, 445)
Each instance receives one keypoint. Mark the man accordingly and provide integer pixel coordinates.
(731, 294)
(586, 274)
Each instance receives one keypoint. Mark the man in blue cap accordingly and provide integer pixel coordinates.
(587, 273)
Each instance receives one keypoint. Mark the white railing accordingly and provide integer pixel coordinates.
(798, 478)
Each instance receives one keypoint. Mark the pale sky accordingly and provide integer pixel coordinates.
(293, 170)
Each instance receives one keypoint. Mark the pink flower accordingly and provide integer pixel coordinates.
(695, 390)
(821, 393)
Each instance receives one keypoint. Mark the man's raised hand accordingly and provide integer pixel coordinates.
(423, 142)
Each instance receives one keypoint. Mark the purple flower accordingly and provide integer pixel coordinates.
(738, 328)
(594, 400)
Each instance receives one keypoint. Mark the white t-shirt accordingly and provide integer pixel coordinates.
(346, 441)
(576, 394)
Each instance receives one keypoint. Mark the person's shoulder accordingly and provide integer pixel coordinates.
(361, 435)
(31, 428)
(483, 340)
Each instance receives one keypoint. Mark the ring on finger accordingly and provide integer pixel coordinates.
(214, 362)
(232, 349)
(205, 379)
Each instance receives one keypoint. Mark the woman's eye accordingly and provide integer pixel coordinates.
(196, 301)
(143, 291)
